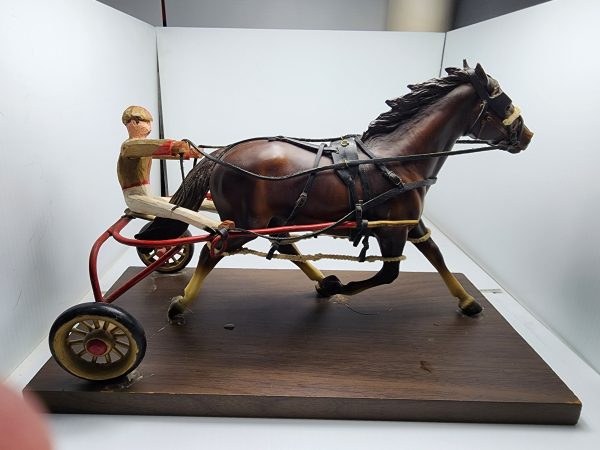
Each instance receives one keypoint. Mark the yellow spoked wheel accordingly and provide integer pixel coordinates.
(175, 263)
(97, 341)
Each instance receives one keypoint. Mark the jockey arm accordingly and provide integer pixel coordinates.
(157, 149)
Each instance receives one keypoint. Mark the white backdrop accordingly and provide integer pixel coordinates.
(532, 220)
(68, 69)
(222, 85)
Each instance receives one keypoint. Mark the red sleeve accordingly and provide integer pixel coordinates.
(164, 149)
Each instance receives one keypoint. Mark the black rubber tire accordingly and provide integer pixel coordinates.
(125, 335)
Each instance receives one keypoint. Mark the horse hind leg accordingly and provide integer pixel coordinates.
(206, 263)
(421, 238)
(309, 269)
(392, 245)
(180, 303)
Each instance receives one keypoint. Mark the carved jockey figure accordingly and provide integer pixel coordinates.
(133, 170)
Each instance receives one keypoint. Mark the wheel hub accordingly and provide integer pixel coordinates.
(96, 347)
(98, 343)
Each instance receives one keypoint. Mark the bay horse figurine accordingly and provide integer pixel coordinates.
(428, 120)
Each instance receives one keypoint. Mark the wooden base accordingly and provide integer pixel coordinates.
(396, 352)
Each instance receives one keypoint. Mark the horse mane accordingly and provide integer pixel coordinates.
(407, 106)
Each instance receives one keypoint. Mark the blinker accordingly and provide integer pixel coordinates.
(498, 103)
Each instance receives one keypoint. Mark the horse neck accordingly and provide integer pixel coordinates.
(433, 130)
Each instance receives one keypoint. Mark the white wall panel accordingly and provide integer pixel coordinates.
(68, 69)
(532, 220)
(222, 85)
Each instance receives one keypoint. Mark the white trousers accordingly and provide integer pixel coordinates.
(140, 200)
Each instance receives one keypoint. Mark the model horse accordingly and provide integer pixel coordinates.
(428, 120)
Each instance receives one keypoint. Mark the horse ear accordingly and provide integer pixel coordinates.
(479, 71)
(465, 64)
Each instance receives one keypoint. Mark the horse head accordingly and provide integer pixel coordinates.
(498, 120)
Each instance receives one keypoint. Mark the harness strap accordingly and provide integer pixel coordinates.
(301, 201)
(364, 182)
(381, 198)
(397, 190)
(344, 154)
(297, 142)
(361, 225)
(387, 173)
(347, 150)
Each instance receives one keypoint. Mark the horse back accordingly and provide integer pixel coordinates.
(253, 202)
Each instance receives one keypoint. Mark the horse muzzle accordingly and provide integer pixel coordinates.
(523, 140)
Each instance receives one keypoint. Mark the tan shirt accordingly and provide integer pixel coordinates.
(135, 160)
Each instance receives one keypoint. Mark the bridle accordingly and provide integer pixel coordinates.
(499, 105)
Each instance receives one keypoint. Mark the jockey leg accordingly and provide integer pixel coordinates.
(160, 207)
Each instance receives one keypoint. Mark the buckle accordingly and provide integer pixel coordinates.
(395, 179)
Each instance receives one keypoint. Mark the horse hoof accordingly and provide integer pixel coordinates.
(175, 312)
(329, 286)
(472, 309)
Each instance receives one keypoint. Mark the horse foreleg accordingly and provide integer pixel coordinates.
(309, 269)
(391, 244)
(421, 238)
(180, 303)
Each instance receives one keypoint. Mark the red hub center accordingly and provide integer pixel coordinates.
(96, 347)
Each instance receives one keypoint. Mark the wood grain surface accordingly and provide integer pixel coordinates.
(259, 343)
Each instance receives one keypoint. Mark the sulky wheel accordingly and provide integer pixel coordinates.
(175, 263)
(97, 341)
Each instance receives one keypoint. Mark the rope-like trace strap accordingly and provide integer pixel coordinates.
(314, 257)
(421, 239)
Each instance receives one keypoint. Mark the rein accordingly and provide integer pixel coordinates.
(381, 198)
(389, 159)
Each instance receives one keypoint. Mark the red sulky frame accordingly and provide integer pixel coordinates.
(114, 231)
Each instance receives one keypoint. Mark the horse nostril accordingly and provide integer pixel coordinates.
(526, 135)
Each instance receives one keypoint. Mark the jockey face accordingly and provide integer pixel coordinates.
(138, 129)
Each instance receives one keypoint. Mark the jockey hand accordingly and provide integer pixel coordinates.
(223, 228)
(195, 153)
(181, 148)
(227, 225)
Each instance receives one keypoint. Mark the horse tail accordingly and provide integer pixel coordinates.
(190, 195)
(194, 187)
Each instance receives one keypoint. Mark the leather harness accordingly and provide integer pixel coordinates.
(342, 152)
(348, 167)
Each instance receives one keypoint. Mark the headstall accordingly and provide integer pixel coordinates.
(499, 104)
